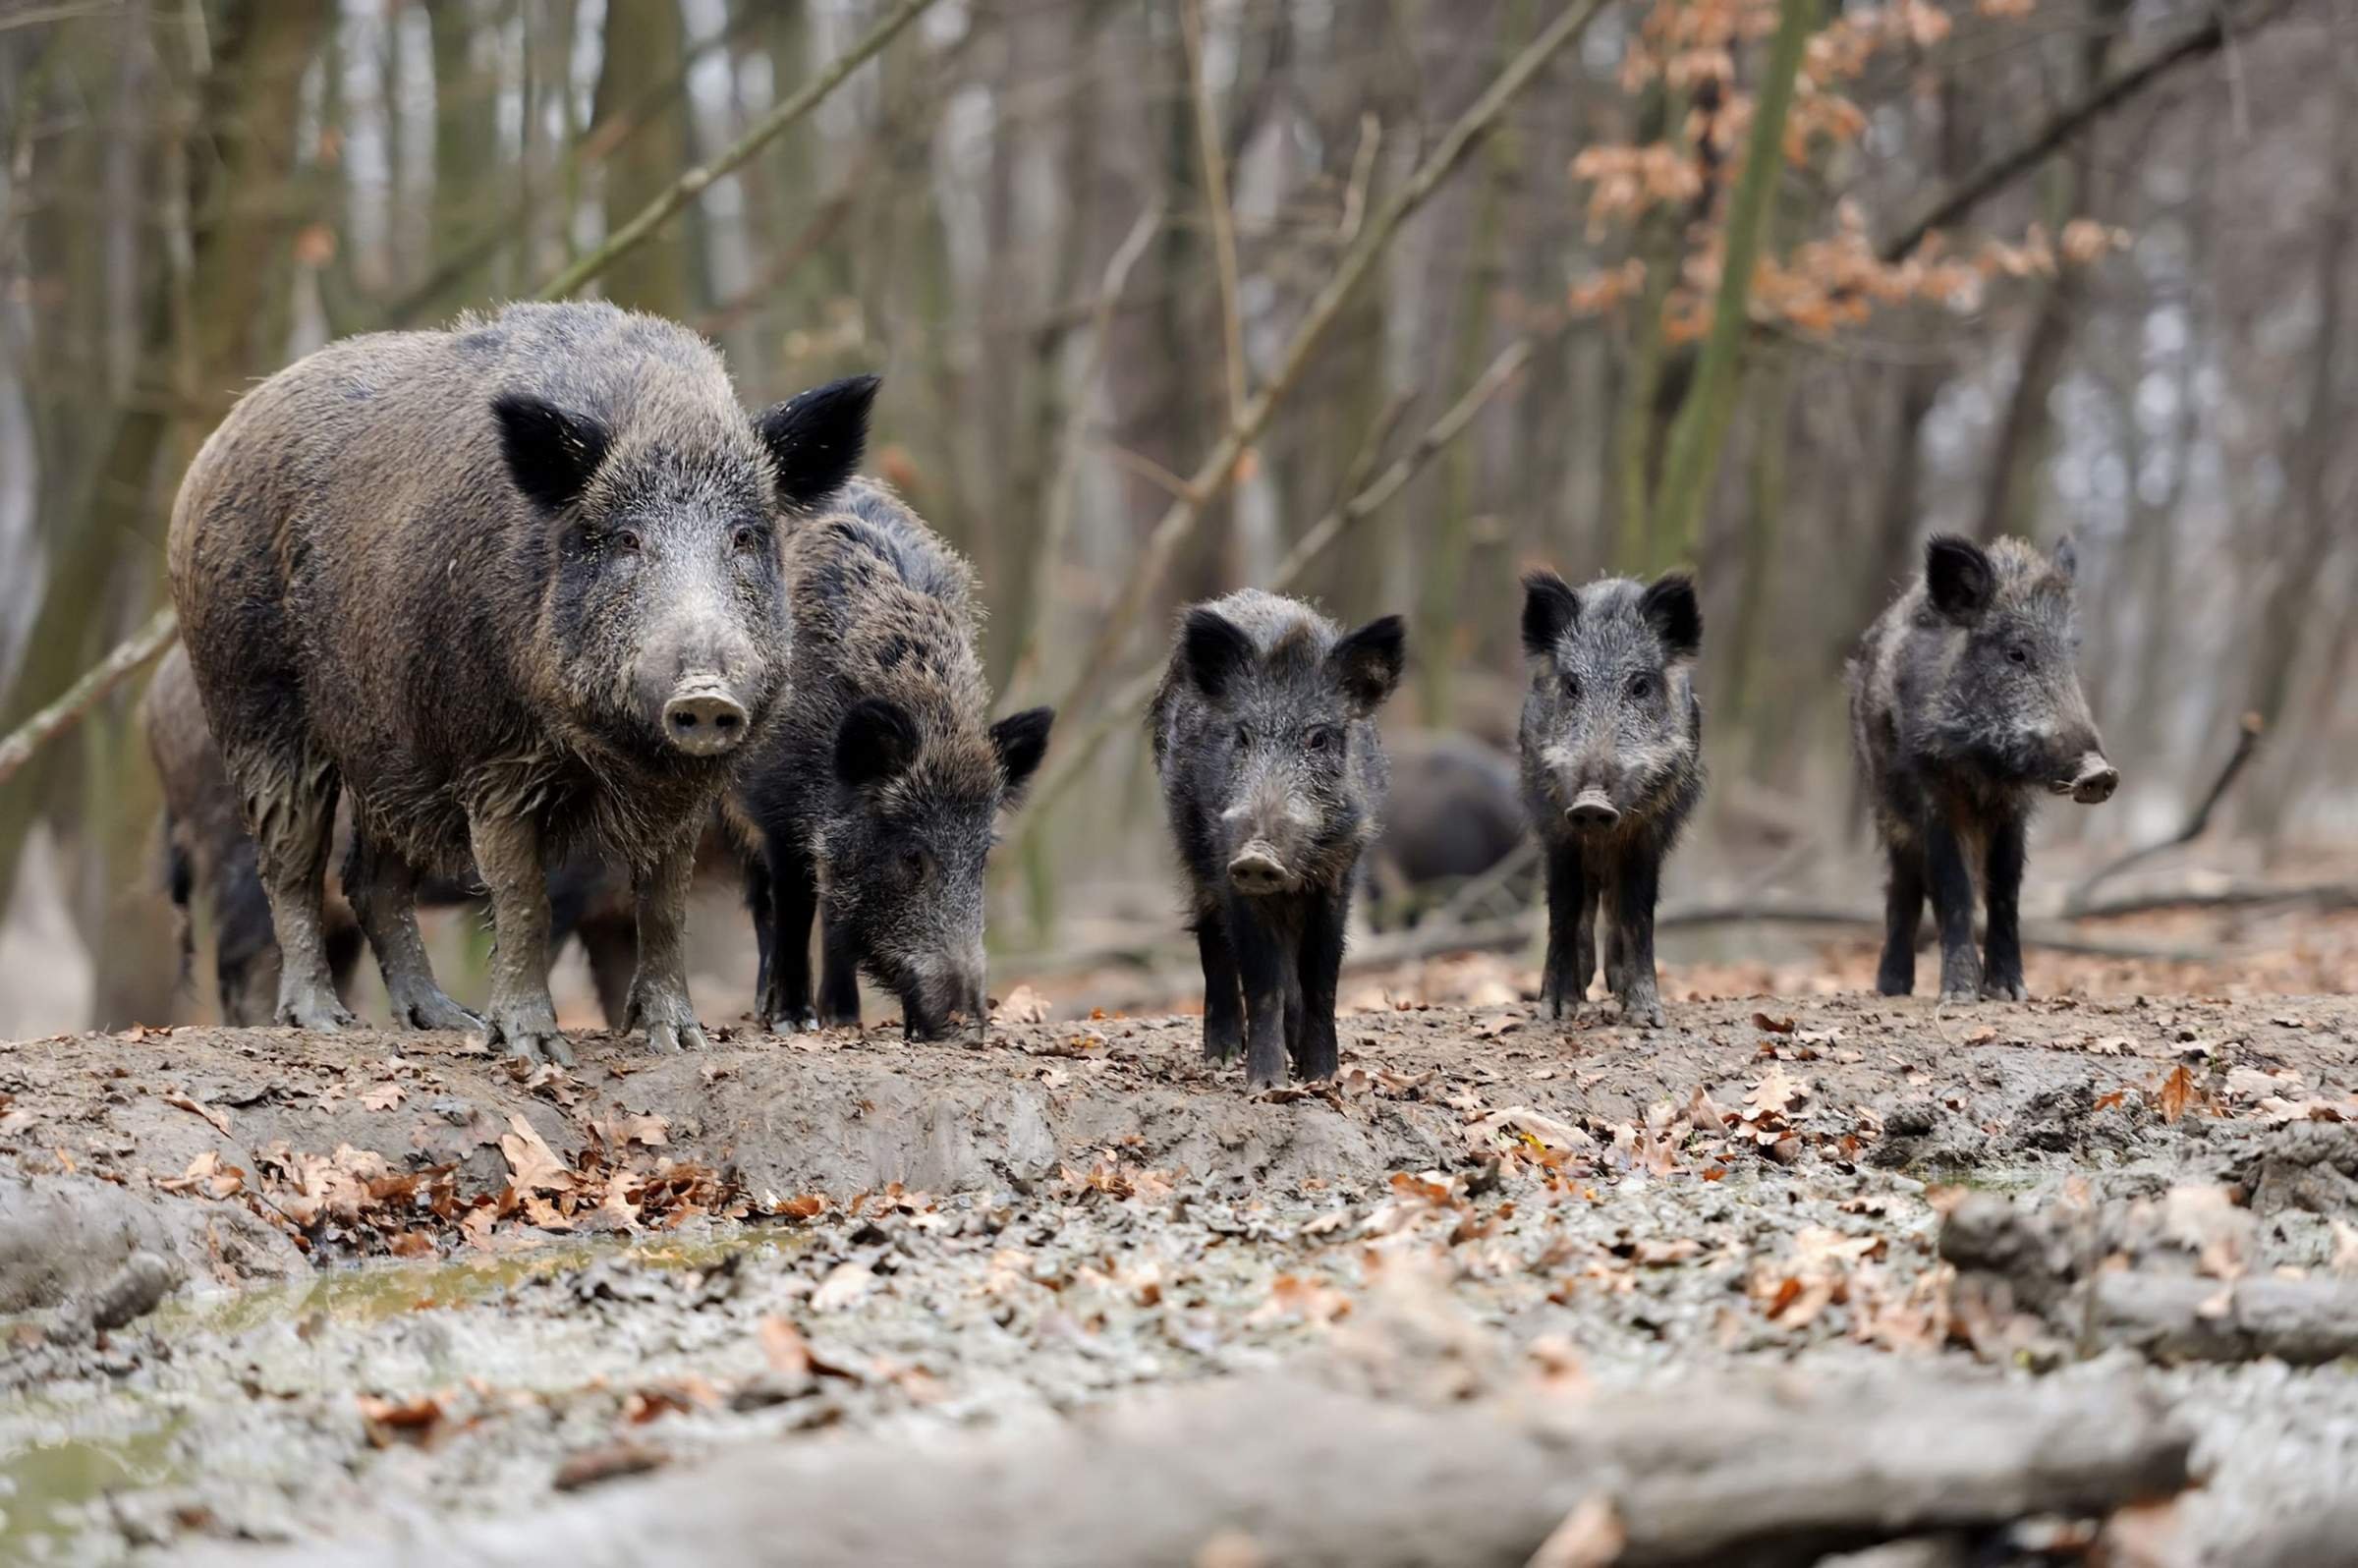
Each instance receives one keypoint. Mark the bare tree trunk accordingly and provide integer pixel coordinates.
(642, 45)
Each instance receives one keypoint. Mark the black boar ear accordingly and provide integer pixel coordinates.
(1368, 664)
(1675, 614)
(876, 742)
(817, 438)
(1958, 577)
(1021, 740)
(2067, 559)
(1550, 607)
(550, 454)
(1216, 652)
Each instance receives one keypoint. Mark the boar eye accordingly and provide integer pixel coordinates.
(744, 537)
(1244, 736)
(2019, 654)
(1572, 687)
(1641, 687)
(1319, 739)
(626, 541)
(912, 864)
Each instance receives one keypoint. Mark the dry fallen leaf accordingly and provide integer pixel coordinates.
(1591, 1536)
(1023, 1005)
(396, 1419)
(537, 1166)
(846, 1285)
(1772, 1025)
(206, 1175)
(383, 1097)
(609, 1462)
(785, 1348)
(197, 1107)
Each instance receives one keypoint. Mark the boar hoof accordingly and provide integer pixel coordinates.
(669, 1039)
(431, 1009)
(530, 1047)
(314, 1010)
(1959, 995)
(1643, 1015)
(2006, 990)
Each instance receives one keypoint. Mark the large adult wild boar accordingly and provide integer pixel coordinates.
(516, 586)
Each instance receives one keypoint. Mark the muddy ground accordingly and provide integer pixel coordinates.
(421, 1286)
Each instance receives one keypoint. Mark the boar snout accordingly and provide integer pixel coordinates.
(1259, 870)
(1592, 811)
(955, 992)
(702, 720)
(2093, 780)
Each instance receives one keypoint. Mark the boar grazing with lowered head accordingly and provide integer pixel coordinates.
(1612, 765)
(874, 801)
(1273, 777)
(517, 588)
(1965, 701)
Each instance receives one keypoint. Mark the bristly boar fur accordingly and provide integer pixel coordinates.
(1273, 777)
(1965, 701)
(1612, 766)
(517, 587)
(874, 799)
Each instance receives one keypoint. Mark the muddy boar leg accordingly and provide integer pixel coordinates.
(1903, 914)
(794, 901)
(520, 1016)
(1953, 906)
(761, 906)
(1571, 957)
(659, 1001)
(2001, 968)
(1321, 957)
(293, 815)
(838, 976)
(611, 942)
(1261, 962)
(383, 888)
(1635, 889)
(1224, 1000)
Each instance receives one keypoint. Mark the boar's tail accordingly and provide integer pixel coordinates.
(179, 876)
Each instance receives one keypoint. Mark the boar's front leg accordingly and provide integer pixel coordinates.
(659, 1001)
(383, 888)
(793, 900)
(1261, 963)
(2001, 969)
(1953, 906)
(1318, 1054)
(520, 1016)
(1223, 1000)
(1636, 888)
(1571, 950)
(1903, 914)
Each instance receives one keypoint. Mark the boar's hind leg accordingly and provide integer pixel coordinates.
(1320, 961)
(2001, 969)
(383, 889)
(610, 941)
(659, 1001)
(520, 1016)
(291, 810)
(1903, 914)
(792, 901)
(1951, 886)
(1571, 949)
(1636, 886)
(1262, 962)
(838, 978)
(1224, 1000)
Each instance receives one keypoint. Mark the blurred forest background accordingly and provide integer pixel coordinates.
(1172, 296)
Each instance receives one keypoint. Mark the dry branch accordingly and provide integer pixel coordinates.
(2247, 745)
(1178, 524)
(120, 663)
(1220, 215)
(1296, 1472)
(765, 129)
(2066, 122)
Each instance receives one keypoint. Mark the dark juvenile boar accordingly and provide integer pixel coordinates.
(518, 586)
(1454, 811)
(874, 799)
(1965, 701)
(1612, 765)
(1272, 776)
(209, 862)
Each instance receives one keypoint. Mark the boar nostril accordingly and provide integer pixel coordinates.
(1257, 871)
(704, 723)
(1592, 811)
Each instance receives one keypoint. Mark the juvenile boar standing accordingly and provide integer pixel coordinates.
(1272, 776)
(1965, 701)
(1612, 765)
(874, 799)
(209, 862)
(518, 586)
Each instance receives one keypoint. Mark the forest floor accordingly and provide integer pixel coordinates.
(423, 1290)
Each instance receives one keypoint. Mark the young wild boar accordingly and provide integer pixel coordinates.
(1612, 765)
(1272, 776)
(209, 862)
(516, 586)
(1964, 700)
(873, 801)
(1454, 811)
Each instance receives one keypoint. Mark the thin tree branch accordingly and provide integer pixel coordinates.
(1217, 210)
(2066, 122)
(2247, 743)
(120, 664)
(765, 129)
(1178, 524)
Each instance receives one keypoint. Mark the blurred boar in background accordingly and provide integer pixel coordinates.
(873, 801)
(209, 862)
(518, 584)
(1272, 775)
(1455, 811)
(1965, 700)
(1612, 765)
